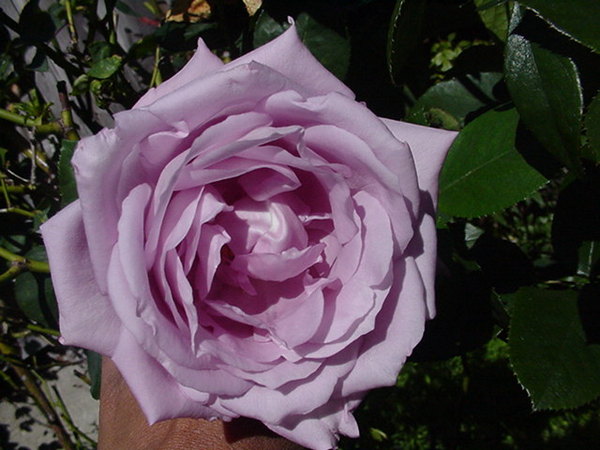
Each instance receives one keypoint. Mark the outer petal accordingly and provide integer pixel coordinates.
(288, 55)
(423, 248)
(98, 163)
(87, 318)
(320, 430)
(399, 328)
(203, 62)
(429, 147)
(297, 397)
(157, 393)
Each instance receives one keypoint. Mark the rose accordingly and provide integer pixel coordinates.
(251, 241)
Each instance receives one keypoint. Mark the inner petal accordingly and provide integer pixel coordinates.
(278, 266)
(263, 227)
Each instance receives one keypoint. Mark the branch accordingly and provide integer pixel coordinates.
(29, 264)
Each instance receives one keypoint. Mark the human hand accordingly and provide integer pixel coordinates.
(123, 426)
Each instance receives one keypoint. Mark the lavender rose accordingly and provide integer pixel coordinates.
(251, 241)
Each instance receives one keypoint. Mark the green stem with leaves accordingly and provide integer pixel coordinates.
(37, 125)
(11, 273)
(29, 264)
(71, 22)
(156, 75)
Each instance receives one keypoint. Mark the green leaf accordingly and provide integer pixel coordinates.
(266, 29)
(589, 258)
(549, 351)
(66, 176)
(457, 97)
(592, 126)
(331, 49)
(193, 31)
(404, 34)
(378, 435)
(576, 18)
(3, 153)
(484, 172)
(546, 90)
(34, 293)
(125, 8)
(472, 233)
(94, 361)
(81, 85)
(100, 50)
(6, 66)
(495, 17)
(105, 67)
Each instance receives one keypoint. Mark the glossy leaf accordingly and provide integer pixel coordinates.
(592, 126)
(403, 34)
(546, 90)
(34, 293)
(105, 67)
(576, 18)
(66, 176)
(266, 29)
(125, 8)
(484, 172)
(495, 17)
(6, 66)
(457, 97)
(100, 50)
(549, 350)
(94, 361)
(588, 261)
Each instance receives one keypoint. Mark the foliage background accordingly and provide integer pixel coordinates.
(513, 358)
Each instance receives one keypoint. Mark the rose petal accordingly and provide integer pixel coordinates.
(351, 312)
(212, 240)
(262, 184)
(399, 328)
(424, 249)
(245, 85)
(323, 425)
(263, 227)
(212, 141)
(211, 204)
(92, 323)
(359, 121)
(277, 266)
(279, 374)
(429, 147)
(288, 55)
(144, 374)
(202, 62)
(297, 397)
(98, 162)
